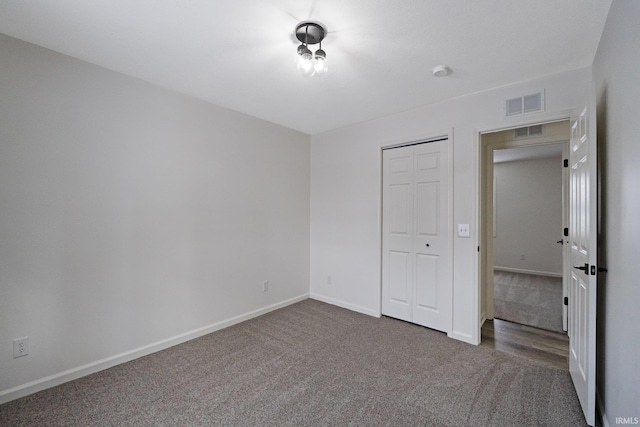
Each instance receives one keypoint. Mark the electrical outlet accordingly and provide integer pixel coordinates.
(328, 280)
(20, 347)
(265, 286)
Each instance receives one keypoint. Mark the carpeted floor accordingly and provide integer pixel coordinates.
(312, 364)
(528, 299)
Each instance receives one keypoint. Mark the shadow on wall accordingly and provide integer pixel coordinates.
(601, 117)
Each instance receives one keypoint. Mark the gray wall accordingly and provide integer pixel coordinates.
(529, 216)
(617, 79)
(133, 217)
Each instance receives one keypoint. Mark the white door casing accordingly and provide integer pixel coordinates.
(417, 270)
(583, 258)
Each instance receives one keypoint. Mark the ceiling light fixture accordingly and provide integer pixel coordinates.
(310, 33)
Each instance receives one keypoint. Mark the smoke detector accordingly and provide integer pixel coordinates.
(441, 70)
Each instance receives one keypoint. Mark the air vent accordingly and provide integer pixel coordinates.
(529, 131)
(514, 106)
(532, 102)
(535, 130)
(525, 104)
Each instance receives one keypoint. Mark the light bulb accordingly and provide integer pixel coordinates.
(320, 62)
(320, 66)
(305, 64)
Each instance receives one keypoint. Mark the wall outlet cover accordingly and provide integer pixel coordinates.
(20, 347)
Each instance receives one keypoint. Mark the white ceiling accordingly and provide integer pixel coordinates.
(241, 54)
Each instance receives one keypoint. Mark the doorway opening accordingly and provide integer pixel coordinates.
(524, 212)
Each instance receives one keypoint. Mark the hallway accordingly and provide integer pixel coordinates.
(532, 343)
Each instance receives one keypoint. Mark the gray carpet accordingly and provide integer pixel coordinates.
(312, 364)
(528, 299)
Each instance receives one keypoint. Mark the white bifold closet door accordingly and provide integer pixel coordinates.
(417, 233)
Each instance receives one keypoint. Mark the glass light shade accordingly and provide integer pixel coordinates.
(305, 64)
(320, 66)
(320, 62)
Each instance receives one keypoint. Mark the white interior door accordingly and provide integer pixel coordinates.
(433, 281)
(566, 249)
(583, 258)
(397, 240)
(416, 272)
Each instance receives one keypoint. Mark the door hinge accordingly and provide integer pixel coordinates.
(566, 231)
(566, 300)
(566, 163)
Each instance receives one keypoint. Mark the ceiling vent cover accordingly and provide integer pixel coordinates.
(525, 104)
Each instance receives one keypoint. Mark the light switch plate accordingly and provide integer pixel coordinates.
(463, 230)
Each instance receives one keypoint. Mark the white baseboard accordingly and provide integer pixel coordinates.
(463, 337)
(455, 335)
(344, 304)
(600, 410)
(523, 271)
(91, 368)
